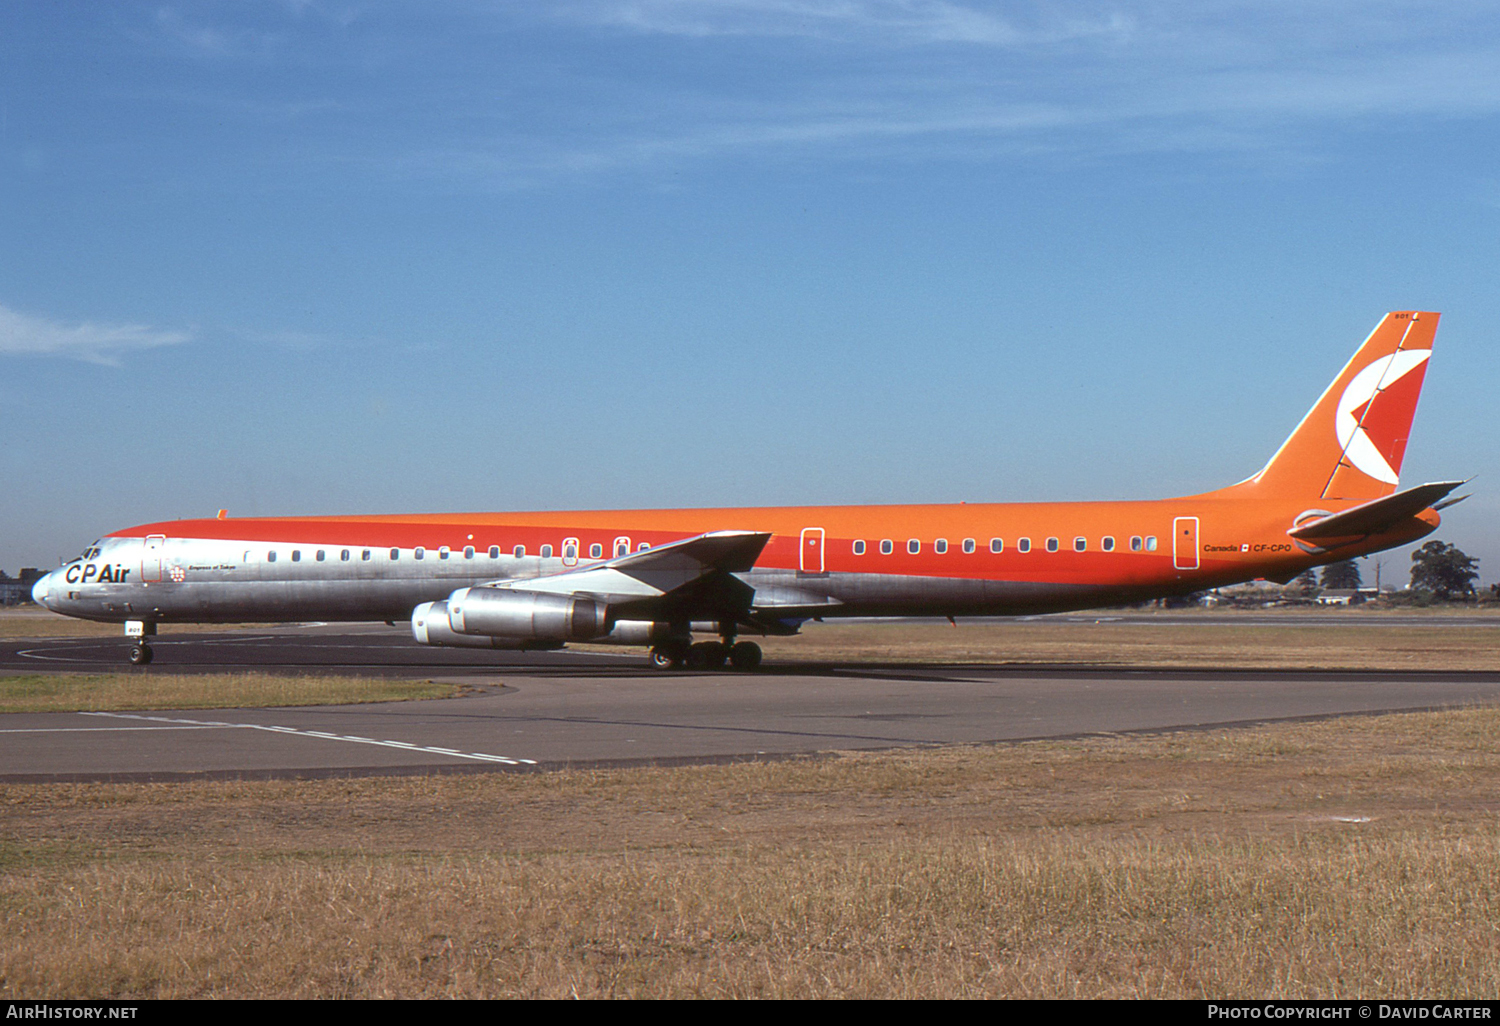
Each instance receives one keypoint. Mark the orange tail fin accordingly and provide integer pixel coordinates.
(1350, 444)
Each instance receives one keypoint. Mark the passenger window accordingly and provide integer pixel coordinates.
(913, 546)
(968, 545)
(622, 547)
(1107, 543)
(886, 547)
(569, 552)
(596, 551)
(859, 547)
(395, 555)
(271, 556)
(1023, 544)
(1150, 543)
(365, 555)
(468, 552)
(643, 546)
(320, 555)
(520, 551)
(997, 545)
(1135, 543)
(344, 556)
(296, 555)
(1080, 544)
(443, 552)
(546, 551)
(494, 552)
(1051, 544)
(419, 553)
(940, 546)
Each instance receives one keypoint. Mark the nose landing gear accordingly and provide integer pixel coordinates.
(138, 631)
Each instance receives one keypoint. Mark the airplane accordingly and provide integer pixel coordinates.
(655, 578)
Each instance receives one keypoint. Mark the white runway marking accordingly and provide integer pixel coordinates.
(181, 724)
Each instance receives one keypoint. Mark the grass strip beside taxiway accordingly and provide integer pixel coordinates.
(141, 689)
(1357, 856)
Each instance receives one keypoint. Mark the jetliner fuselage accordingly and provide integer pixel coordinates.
(654, 576)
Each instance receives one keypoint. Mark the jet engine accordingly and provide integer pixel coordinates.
(527, 615)
(429, 625)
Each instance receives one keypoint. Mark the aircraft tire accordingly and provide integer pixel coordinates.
(140, 655)
(745, 656)
(707, 655)
(670, 655)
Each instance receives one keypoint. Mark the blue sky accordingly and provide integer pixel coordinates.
(297, 257)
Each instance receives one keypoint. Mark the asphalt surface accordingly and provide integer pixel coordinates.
(541, 710)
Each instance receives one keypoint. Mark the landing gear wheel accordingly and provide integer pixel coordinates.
(670, 655)
(140, 655)
(745, 656)
(707, 655)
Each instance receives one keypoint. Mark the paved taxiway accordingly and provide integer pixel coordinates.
(581, 708)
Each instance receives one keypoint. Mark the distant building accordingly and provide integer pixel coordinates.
(16, 590)
(1340, 597)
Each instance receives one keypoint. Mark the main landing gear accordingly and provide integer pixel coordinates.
(677, 653)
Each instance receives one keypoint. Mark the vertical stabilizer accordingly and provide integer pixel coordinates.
(1351, 443)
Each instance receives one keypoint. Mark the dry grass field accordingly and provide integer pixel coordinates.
(1357, 857)
(1356, 641)
(35, 622)
(141, 689)
(1343, 858)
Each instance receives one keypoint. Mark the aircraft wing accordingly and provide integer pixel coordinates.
(1378, 514)
(654, 573)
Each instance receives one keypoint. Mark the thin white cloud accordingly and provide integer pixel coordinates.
(897, 21)
(1257, 76)
(24, 335)
(632, 86)
(201, 38)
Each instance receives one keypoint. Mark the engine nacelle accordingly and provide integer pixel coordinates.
(636, 632)
(530, 615)
(429, 625)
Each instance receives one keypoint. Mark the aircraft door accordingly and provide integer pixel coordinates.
(810, 556)
(1185, 543)
(151, 558)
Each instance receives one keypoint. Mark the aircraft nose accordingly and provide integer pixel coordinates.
(41, 589)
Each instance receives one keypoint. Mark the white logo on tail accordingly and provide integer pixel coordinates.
(1353, 404)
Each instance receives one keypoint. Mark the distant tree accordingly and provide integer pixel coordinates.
(1443, 570)
(1307, 580)
(1344, 574)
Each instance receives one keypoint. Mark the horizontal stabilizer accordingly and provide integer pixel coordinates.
(1449, 502)
(1376, 515)
(654, 572)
